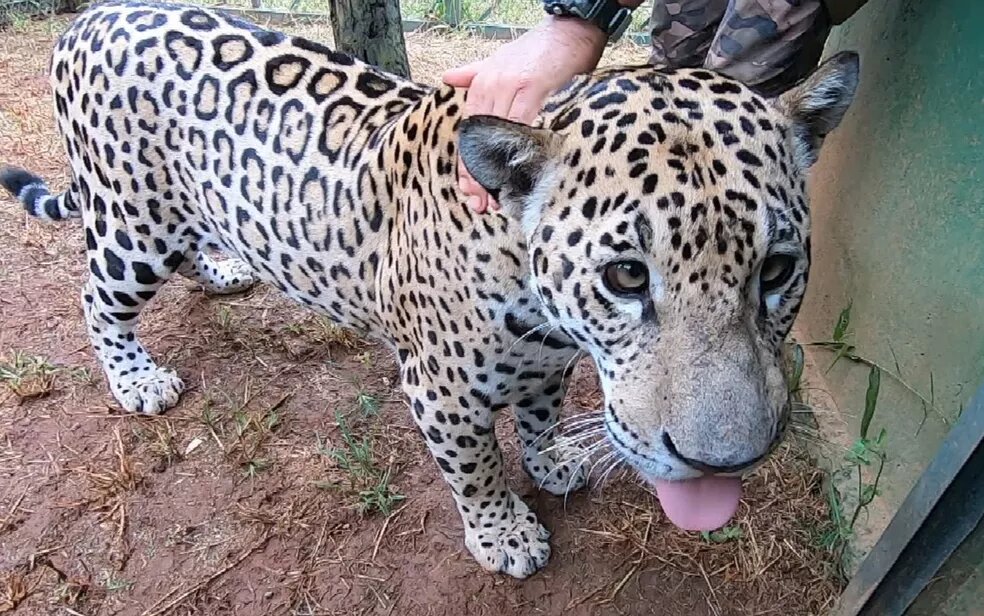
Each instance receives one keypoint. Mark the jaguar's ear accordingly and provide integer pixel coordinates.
(512, 161)
(818, 104)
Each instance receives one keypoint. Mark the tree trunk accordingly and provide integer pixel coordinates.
(372, 31)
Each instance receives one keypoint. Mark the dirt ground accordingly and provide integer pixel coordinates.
(238, 502)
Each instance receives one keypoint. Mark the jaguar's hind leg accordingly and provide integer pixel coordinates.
(120, 284)
(220, 277)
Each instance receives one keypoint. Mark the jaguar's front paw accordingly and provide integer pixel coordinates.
(149, 393)
(517, 546)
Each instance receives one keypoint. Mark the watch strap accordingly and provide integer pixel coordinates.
(612, 18)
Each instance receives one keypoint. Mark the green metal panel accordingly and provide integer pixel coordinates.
(959, 589)
(898, 210)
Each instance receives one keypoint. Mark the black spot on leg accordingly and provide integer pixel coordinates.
(445, 466)
(123, 240)
(435, 435)
(144, 274)
(114, 265)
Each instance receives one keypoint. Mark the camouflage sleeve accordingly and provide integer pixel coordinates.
(682, 30)
(768, 44)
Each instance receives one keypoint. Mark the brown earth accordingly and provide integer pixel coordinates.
(231, 502)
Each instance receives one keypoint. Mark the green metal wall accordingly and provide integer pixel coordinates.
(898, 211)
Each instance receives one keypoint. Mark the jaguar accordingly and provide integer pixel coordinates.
(653, 220)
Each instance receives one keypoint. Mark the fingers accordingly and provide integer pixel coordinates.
(478, 199)
(502, 99)
(461, 76)
(526, 105)
(491, 91)
(484, 97)
(480, 98)
(476, 102)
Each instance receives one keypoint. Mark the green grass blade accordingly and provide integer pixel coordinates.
(843, 322)
(870, 400)
(796, 377)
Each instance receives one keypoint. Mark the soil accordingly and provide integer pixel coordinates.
(232, 502)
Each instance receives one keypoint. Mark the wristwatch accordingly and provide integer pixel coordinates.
(609, 15)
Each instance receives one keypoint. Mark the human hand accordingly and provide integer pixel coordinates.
(514, 81)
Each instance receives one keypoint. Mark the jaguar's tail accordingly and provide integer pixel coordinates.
(32, 191)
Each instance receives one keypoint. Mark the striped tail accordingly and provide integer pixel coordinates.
(32, 191)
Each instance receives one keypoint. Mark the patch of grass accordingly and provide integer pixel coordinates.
(240, 431)
(379, 496)
(367, 403)
(210, 416)
(320, 335)
(326, 331)
(254, 466)
(70, 591)
(252, 430)
(112, 583)
(113, 482)
(867, 455)
(317, 338)
(223, 319)
(161, 441)
(28, 376)
(81, 375)
(19, 23)
(25, 579)
(794, 370)
(840, 344)
(728, 533)
(13, 590)
(356, 460)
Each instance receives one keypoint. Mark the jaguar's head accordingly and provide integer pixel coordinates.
(668, 231)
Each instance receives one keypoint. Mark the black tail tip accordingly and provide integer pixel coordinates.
(14, 179)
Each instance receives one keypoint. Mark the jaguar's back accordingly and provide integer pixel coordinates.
(205, 129)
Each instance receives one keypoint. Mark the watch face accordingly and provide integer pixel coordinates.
(578, 8)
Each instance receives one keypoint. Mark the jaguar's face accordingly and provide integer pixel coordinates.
(668, 231)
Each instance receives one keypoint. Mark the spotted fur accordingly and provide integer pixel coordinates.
(189, 130)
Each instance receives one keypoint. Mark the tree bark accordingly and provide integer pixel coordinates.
(372, 31)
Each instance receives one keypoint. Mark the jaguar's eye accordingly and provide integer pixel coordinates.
(627, 277)
(776, 272)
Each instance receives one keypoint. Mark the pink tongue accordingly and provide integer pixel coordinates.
(699, 504)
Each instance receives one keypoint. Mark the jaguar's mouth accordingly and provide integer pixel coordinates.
(691, 499)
